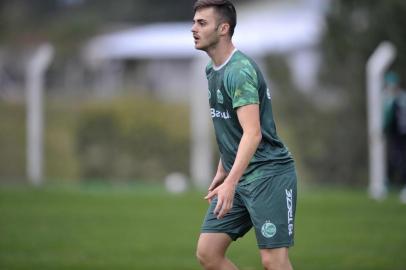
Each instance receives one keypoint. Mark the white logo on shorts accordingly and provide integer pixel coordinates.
(289, 203)
(268, 229)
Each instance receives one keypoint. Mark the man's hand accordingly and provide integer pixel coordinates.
(217, 180)
(225, 196)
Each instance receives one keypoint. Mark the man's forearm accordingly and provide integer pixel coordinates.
(220, 169)
(246, 149)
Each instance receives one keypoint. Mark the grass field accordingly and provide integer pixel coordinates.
(96, 227)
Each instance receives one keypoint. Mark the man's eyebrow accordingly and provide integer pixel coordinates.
(199, 20)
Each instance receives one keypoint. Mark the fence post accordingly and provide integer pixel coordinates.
(377, 64)
(35, 72)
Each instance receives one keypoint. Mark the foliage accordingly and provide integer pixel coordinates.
(127, 139)
(61, 162)
(12, 141)
(332, 140)
(354, 30)
(121, 139)
(315, 133)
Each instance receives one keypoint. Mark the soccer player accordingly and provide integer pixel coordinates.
(255, 183)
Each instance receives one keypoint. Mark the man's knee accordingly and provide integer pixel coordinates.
(272, 264)
(275, 260)
(207, 258)
(211, 249)
(202, 255)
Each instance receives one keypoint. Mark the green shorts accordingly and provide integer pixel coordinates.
(267, 204)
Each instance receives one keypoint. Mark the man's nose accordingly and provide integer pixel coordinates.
(193, 29)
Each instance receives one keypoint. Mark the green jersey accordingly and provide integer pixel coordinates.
(239, 82)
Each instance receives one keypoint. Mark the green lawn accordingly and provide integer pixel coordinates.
(85, 227)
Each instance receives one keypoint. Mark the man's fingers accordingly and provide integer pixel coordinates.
(211, 194)
(219, 206)
(224, 203)
(213, 186)
(225, 209)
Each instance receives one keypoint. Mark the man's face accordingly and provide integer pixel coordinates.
(205, 29)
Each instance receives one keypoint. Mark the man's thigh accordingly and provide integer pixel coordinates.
(271, 203)
(213, 244)
(236, 223)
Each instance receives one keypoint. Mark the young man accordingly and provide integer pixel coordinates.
(255, 183)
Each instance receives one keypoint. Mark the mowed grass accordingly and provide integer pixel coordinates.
(85, 227)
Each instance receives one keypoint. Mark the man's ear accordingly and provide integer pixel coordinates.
(224, 28)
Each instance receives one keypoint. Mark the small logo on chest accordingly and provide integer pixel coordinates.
(220, 98)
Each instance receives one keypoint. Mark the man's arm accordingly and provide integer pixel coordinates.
(221, 174)
(248, 116)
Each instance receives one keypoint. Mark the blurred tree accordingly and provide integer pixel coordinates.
(67, 23)
(354, 29)
(329, 126)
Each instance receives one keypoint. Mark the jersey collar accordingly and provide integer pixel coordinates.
(217, 68)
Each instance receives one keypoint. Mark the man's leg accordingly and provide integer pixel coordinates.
(275, 259)
(211, 250)
(271, 203)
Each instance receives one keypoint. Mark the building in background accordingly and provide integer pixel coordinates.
(134, 57)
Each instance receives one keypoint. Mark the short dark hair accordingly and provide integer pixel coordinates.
(224, 8)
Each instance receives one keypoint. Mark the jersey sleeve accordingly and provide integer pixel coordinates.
(242, 85)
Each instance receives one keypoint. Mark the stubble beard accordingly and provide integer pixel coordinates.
(212, 41)
(211, 44)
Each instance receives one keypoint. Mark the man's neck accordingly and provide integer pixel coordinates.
(221, 53)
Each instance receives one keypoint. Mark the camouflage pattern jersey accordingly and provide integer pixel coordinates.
(239, 82)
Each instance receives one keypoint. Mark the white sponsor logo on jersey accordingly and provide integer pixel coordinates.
(219, 114)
